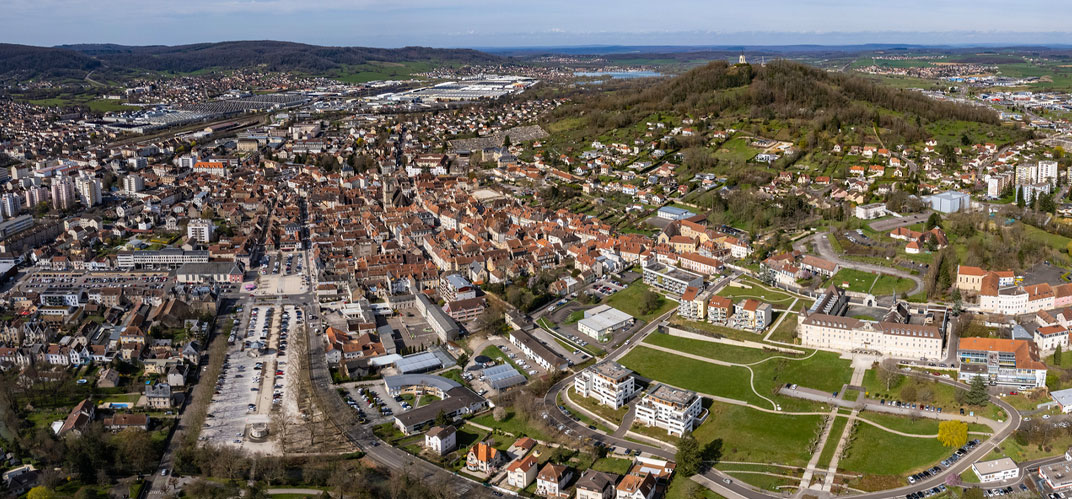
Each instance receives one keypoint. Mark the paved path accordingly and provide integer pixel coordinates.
(809, 471)
(843, 439)
(774, 327)
(309, 492)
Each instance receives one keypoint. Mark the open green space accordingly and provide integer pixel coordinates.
(591, 405)
(786, 332)
(744, 434)
(878, 452)
(613, 465)
(889, 285)
(512, 423)
(695, 375)
(629, 301)
(707, 328)
(836, 430)
(712, 350)
(918, 390)
(854, 280)
(756, 291)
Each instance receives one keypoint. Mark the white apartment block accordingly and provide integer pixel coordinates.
(89, 191)
(671, 408)
(200, 230)
(610, 383)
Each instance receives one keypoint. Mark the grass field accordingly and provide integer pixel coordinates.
(510, 424)
(853, 280)
(926, 391)
(628, 301)
(787, 330)
(878, 452)
(745, 435)
(613, 465)
(717, 330)
(695, 375)
(822, 371)
(776, 298)
(836, 429)
(887, 285)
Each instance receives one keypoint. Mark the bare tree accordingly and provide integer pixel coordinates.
(888, 373)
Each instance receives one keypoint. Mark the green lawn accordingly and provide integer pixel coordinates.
(822, 371)
(710, 349)
(601, 410)
(511, 424)
(695, 375)
(858, 280)
(613, 465)
(768, 295)
(716, 330)
(836, 429)
(787, 330)
(878, 452)
(628, 301)
(746, 435)
(887, 285)
(575, 316)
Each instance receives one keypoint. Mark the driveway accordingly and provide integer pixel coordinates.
(825, 250)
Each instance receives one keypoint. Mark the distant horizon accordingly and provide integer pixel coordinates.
(540, 23)
(656, 47)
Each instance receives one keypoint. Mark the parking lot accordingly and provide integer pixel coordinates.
(413, 329)
(39, 281)
(255, 377)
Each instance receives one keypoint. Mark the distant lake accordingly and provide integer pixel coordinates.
(618, 74)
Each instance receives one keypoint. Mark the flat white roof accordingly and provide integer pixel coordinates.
(605, 320)
(995, 466)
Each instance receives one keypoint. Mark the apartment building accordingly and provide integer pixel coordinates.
(752, 314)
(692, 306)
(719, 309)
(671, 408)
(1048, 338)
(1001, 362)
(610, 383)
(200, 230)
(669, 279)
(537, 351)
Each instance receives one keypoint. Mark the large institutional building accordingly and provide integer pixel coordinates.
(1001, 362)
(901, 333)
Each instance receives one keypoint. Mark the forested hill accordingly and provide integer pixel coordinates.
(270, 55)
(782, 90)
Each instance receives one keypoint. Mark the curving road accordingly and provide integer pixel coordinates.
(826, 251)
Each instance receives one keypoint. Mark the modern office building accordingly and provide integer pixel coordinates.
(610, 383)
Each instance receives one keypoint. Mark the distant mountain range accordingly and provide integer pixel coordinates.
(73, 60)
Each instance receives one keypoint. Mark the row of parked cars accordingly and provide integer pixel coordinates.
(923, 475)
(373, 401)
(926, 493)
(361, 416)
(1004, 491)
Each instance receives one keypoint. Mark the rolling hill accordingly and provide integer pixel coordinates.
(71, 60)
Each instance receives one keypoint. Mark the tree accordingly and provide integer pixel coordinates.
(977, 393)
(888, 373)
(649, 301)
(463, 359)
(688, 456)
(40, 492)
(499, 413)
(1057, 356)
(953, 433)
(935, 220)
(1020, 197)
(441, 419)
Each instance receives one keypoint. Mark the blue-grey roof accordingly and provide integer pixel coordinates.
(674, 210)
(503, 376)
(404, 380)
(418, 362)
(1063, 397)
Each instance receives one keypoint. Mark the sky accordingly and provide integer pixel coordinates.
(527, 23)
